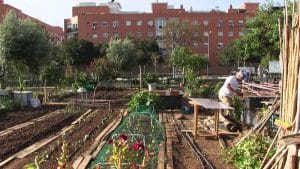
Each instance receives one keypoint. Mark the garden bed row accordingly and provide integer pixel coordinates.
(78, 135)
(26, 114)
(17, 138)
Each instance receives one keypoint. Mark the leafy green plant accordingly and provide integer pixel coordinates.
(143, 98)
(192, 82)
(249, 153)
(206, 91)
(8, 104)
(38, 160)
(238, 108)
(21, 84)
(151, 77)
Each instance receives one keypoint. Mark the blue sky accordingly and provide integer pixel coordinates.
(54, 12)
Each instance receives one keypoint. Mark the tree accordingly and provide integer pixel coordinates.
(74, 51)
(179, 56)
(146, 50)
(103, 71)
(229, 55)
(24, 45)
(180, 33)
(122, 53)
(102, 47)
(261, 37)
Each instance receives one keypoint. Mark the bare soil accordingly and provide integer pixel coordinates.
(26, 114)
(209, 146)
(21, 138)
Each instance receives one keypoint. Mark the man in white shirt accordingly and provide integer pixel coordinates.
(227, 91)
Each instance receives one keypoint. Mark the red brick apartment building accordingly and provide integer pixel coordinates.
(55, 32)
(100, 23)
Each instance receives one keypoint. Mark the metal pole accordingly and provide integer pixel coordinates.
(208, 52)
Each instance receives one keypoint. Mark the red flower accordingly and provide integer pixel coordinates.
(134, 165)
(110, 141)
(123, 137)
(138, 146)
(135, 146)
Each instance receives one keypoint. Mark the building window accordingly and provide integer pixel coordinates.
(230, 33)
(139, 34)
(150, 24)
(139, 23)
(205, 33)
(220, 45)
(104, 24)
(219, 23)
(241, 33)
(105, 35)
(220, 33)
(115, 35)
(94, 25)
(205, 45)
(150, 34)
(195, 44)
(95, 35)
(230, 23)
(196, 34)
(241, 23)
(160, 23)
(195, 22)
(128, 23)
(115, 24)
(205, 23)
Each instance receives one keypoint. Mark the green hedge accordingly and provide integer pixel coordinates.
(8, 104)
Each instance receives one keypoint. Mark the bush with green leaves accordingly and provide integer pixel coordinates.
(238, 106)
(151, 77)
(143, 98)
(8, 104)
(249, 153)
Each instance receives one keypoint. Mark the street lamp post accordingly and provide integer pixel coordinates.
(173, 47)
(208, 40)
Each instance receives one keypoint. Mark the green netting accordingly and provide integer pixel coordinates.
(141, 125)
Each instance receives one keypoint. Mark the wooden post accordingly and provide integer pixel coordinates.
(217, 113)
(45, 91)
(195, 120)
(140, 77)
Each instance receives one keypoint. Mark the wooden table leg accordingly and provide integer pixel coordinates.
(195, 120)
(217, 113)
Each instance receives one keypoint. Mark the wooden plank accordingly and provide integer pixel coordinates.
(5, 162)
(113, 124)
(160, 116)
(48, 116)
(222, 143)
(82, 116)
(11, 129)
(76, 163)
(294, 139)
(195, 121)
(96, 152)
(34, 147)
(161, 156)
(85, 162)
(209, 104)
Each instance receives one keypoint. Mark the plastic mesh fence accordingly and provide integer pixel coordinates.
(141, 125)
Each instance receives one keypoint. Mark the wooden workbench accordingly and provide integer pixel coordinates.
(216, 106)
